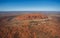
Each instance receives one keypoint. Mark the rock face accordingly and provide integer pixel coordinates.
(29, 26)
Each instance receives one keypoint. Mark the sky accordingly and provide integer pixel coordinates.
(29, 5)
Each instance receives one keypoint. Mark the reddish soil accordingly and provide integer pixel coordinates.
(26, 26)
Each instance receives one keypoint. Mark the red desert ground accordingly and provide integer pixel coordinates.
(30, 26)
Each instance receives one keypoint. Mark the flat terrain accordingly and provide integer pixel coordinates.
(30, 26)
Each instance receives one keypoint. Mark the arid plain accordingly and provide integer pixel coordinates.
(30, 25)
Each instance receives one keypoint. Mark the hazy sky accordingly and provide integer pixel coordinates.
(29, 5)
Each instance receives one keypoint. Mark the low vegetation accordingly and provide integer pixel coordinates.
(29, 26)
